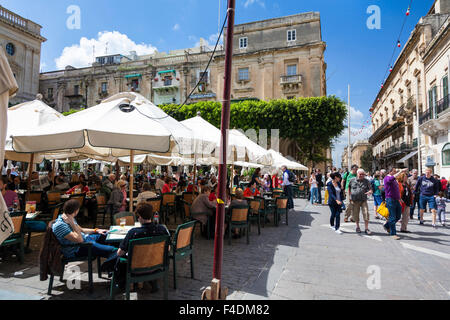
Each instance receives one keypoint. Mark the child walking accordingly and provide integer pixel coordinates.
(441, 201)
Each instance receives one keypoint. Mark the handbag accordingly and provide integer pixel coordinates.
(383, 210)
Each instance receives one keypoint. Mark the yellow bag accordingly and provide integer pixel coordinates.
(383, 210)
(326, 196)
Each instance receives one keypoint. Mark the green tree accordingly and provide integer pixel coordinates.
(313, 123)
(367, 159)
(72, 111)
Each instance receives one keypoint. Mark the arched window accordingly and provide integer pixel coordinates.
(446, 155)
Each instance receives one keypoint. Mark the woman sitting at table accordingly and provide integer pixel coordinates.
(67, 231)
(145, 194)
(167, 187)
(118, 200)
(238, 199)
(201, 206)
(7, 191)
(80, 186)
(251, 191)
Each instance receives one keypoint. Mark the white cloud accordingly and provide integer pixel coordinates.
(81, 55)
(176, 27)
(355, 114)
(250, 2)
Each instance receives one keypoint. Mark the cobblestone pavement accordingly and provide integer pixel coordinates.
(305, 260)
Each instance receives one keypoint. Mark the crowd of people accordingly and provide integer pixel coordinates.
(399, 190)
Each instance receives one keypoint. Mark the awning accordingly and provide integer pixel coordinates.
(167, 71)
(137, 75)
(409, 156)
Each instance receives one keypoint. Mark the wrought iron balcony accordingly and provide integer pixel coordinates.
(425, 117)
(442, 105)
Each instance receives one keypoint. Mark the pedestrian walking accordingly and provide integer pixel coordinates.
(288, 180)
(314, 189)
(441, 202)
(319, 179)
(345, 183)
(428, 188)
(359, 189)
(412, 181)
(335, 198)
(392, 192)
(406, 197)
(377, 199)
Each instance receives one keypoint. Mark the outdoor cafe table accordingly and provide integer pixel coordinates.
(117, 233)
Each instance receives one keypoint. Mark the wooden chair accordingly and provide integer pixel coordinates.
(129, 216)
(100, 208)
(35, 196)
(148, 259)
(51, 215)
(189, 196)
(255, 205)
(168, 205)
(263, 211)
(238, 217)
(182, 246)
(302, 191)
(187, 210)
(277, 193)
(53, 197)
(156, 204)
(17, 238)
(281, 208)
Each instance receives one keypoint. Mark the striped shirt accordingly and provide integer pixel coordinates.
(61, 229)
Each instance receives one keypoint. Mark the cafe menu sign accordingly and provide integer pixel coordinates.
(6, 224)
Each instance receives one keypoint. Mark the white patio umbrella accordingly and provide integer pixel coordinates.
(27, 116)
(121, 125)
(280, 160)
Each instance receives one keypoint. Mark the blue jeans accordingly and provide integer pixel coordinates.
(99, 248)
(395, 214)
(335, 219)
(430, 200)
(314, 194)
(319, 191)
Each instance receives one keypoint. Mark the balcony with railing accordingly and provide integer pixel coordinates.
(379, 132)
(17, 21)
(292, 79)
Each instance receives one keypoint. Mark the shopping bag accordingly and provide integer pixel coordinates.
(383, 210)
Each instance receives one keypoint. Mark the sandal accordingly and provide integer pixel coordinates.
(368, 232)
(358, 230)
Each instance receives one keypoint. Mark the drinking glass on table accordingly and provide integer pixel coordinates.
(123, 222)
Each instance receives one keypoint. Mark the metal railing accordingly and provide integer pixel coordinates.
(425, 117)
(442, 105)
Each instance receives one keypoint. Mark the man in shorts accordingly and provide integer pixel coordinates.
(428, 188)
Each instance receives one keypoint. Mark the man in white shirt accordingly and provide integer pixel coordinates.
(287, 186)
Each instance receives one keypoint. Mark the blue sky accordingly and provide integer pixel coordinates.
(355, 54)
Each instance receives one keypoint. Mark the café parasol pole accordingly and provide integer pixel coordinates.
(131, 184)
(225, 124)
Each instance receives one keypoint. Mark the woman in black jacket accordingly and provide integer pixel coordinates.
(335, 200)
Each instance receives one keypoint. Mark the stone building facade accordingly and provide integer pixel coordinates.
(272, 59)
(358, 148)
(21, 39)
(435, 120)
(394, 116)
